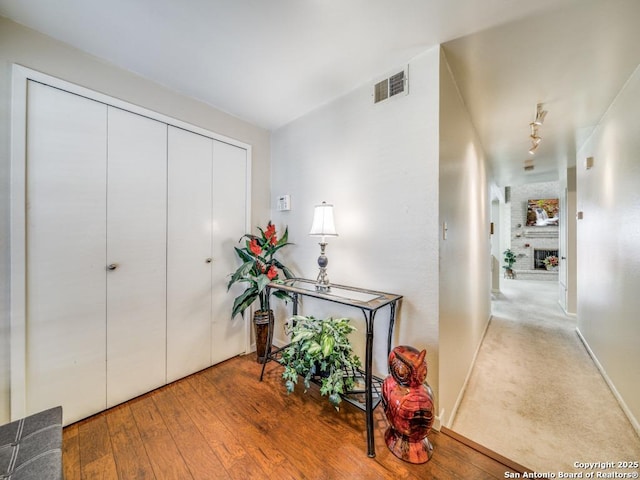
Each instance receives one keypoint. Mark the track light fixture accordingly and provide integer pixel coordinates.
(537, 122)
(540, 115)
(534, 129)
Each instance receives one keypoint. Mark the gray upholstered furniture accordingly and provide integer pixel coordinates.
(31, 448)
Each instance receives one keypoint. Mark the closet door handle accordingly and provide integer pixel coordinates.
(112, 266)
(209, 260)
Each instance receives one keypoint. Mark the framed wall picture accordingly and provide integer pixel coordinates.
(543, 212)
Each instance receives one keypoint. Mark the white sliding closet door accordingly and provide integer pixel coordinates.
(136, 255)
(189, 257)
(229, 224)
(128, 225)
(65, 264)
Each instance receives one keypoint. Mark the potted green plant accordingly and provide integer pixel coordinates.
(509, 259)
(319, 349)
(259, 268)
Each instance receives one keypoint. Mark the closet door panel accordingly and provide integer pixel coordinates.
(65, 230)
(136, 255)
(188, 253)
(229, 225)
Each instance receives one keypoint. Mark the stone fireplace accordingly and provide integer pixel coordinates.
(532, 243)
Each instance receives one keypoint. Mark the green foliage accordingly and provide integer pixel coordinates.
(509, 259)
(319, 348)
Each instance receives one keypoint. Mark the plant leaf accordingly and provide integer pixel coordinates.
(287, 273)
(327, 346)
(262, 282)
(282, 295)
(314, 347)
(304, 335)
(277, 247)
(244, 255)
(284, 239)
(243, 301)
(239, 274)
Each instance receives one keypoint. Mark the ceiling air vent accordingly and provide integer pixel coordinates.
(396, 84)
(381, 91)
(528, 165)
(391, 86)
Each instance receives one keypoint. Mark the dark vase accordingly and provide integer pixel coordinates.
(318, 372)
(408, 405)
(262, 322)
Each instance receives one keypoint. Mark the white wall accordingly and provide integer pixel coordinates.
(28, 48)
(465, 255)
(608, 239)
(378, 164)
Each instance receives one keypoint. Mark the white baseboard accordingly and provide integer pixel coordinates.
(567, 313)
(437, 422)
(614, 390)
(454, 410)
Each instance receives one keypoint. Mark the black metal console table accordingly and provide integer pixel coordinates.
(369, 302)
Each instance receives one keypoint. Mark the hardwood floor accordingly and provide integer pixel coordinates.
(222, 423)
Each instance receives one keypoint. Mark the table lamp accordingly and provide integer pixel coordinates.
(323, 226)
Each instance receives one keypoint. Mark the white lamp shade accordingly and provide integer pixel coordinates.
(323, 224)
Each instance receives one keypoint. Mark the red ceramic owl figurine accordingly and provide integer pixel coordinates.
(408, 404)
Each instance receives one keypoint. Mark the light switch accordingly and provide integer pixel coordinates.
(589, 163)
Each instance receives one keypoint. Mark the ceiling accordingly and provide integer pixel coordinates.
(574, 60)
(269, 62)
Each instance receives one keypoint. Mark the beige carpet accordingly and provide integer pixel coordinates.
(535, 396)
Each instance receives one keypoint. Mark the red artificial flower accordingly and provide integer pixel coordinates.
(272, 273)
(270, 231)
(254, 247)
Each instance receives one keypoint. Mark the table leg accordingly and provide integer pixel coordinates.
(371, 447)
(267, 354)
(295, 303)
(392, 320)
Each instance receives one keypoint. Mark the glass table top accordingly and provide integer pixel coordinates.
(358, 297)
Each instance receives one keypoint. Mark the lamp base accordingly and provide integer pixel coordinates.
(322, 282)
(320, 287)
